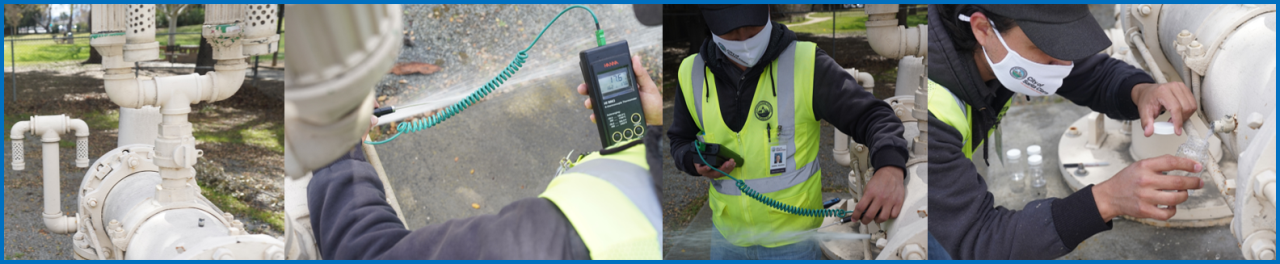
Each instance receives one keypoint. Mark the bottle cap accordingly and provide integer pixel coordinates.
(1034, 160)
(1163, 128)
(1013, 154)
(1033, 150)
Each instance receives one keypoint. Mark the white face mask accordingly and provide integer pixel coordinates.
(746, 52)
(1024, 76)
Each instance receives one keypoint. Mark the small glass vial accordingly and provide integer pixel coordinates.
(1035, 170)
(1194, 148)
(1013, 164)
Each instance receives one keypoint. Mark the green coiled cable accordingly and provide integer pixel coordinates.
(742, 186)
(493, 84)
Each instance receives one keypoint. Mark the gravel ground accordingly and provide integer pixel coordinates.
(506, 147)
(472, 43)
(249, 173)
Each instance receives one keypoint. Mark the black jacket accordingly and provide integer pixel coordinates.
(351, 219)
(837, 98)
(965, 220)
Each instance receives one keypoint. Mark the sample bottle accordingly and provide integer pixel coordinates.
(1195, 149)
(1013, 164)
(1035, 171)
(1033, 150)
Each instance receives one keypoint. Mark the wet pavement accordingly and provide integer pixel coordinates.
(507, 147)
(1042, 123)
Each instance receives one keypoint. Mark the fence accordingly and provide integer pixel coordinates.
(35, 50)
(23, 50)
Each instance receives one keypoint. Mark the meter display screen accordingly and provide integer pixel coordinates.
(614, 80)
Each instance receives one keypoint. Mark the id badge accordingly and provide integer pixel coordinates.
(777, 159)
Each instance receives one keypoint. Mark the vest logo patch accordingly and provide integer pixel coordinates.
(763, 110)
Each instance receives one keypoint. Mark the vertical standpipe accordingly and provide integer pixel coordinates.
(49, 127)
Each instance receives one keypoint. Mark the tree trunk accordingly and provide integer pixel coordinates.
(204, 57)
(71, 16)
(279, 26)
(171, 51)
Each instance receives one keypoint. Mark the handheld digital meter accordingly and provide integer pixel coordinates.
(615, 95)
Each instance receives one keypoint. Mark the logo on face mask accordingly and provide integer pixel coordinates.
(1018, 73)
(1031, 82)
(730, 52)
(764, 110)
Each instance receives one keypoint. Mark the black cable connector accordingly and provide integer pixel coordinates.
(381, 111)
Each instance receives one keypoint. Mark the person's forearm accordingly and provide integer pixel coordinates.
(1106, 85)
(349, 211)
(682, 133)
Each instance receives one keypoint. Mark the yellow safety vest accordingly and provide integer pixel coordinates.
(780, 126)
(610, 202)
(949, 109)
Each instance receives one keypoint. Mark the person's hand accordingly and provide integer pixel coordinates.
(650, 95)
(1173, 97)
(1136, 190)
(706, 171)
(883, 196)
(373, 122)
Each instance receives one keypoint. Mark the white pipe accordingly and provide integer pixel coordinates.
(82, 141)
(866, 80)
(841, 150)
(15, 137)
(891, 40)
(54, 220)
(1146, 56)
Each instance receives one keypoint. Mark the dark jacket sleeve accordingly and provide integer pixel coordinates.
(839, 99)
(969, 225)
(1104, 84)
(352, 220)
(682, 133)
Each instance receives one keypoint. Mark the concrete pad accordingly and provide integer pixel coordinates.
(1042, 122)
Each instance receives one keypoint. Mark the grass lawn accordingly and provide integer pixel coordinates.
(849, 21)
(46, 51)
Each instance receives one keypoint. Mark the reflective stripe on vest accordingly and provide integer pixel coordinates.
(951, 110)
(786, 115)
(612, 205)
(789, 123)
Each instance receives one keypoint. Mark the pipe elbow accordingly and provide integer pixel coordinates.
(866, 79)
(19, 130)
(81, 128)
(59, 223)
(225, 83)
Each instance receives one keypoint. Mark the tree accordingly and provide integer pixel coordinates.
(12, 16)
(171, 13)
